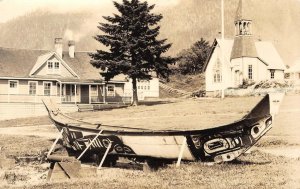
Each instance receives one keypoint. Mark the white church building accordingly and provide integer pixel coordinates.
(233, 60)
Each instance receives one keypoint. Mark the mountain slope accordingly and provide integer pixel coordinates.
(274, 20)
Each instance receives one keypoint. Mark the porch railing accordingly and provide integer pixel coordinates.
(26, 98)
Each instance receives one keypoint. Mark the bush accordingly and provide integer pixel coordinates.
(246, 83)
(200, 93)
(271, 84)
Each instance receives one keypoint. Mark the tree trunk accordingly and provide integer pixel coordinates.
(135, 100)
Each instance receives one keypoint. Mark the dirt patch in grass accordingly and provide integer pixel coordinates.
(42, 120)
(16, 146)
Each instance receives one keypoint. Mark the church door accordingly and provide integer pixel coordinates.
(237, 78)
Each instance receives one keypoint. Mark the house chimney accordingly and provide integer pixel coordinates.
(71, 45)
(58, 45)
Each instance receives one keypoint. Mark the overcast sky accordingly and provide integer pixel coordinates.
(13, 8)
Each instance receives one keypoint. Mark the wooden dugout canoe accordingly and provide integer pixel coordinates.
(218, 144)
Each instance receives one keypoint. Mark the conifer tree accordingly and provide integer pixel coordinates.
(134, 50)
(192, 60)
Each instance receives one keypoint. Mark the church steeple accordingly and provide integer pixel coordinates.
(243, 45)
(243, 21)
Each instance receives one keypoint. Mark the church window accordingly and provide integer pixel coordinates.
(250, 72)
(217, 72)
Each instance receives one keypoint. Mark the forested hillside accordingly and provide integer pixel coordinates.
(183, 24)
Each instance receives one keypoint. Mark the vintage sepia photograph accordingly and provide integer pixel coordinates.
(149, 94)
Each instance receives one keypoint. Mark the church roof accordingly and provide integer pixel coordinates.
(243, 46)
(266, 52)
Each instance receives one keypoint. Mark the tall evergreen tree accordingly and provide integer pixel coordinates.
(191, 61)
(134, 49)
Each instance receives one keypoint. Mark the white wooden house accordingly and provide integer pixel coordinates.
(67, 76)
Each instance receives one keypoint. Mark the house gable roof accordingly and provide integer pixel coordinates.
(44, 58)
(21, 63)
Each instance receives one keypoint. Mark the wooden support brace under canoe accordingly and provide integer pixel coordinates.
(64, 168)
(181, 152)
(105, 154)
(89, 144)
(54, 143)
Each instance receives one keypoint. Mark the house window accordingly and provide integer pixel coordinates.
(272, 74)
(32, 87)
(53, 67)
(250, 72)
(94, 91)
(13, 86)
(73, 90)
(50, 66)
(217, 72)
(56, 65)
(47, 88)
(110, 90)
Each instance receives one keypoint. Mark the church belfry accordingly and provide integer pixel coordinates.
(243, 24)
(243, 27)
(243, 45)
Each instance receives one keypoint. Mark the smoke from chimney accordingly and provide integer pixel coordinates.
(58, 45)
(71, 45)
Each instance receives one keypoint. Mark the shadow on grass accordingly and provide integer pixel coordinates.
(245, 162)
(153, 103)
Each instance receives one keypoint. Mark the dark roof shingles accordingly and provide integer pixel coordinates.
(243, 46)
(18, 62)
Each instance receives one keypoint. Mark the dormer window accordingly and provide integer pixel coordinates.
(50, 66)
(53, 67)
(56, 65)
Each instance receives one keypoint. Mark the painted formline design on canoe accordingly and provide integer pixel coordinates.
(218, 144)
